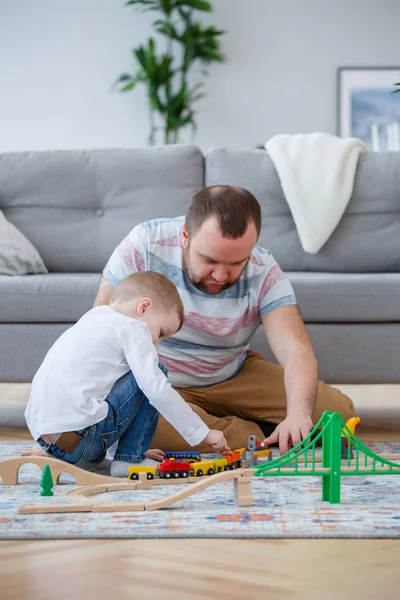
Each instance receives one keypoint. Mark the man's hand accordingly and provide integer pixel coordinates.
(216, 440)
(155, 454)
(290, 432)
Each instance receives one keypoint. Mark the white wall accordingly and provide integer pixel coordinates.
(59, 58)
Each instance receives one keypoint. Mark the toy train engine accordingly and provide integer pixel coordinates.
(171, 467)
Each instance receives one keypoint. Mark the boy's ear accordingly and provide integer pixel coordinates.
(142, 306)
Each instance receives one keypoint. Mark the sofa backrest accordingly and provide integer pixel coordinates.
(367, 238)
(77, 206)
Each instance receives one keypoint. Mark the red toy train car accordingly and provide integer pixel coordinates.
(173, 468)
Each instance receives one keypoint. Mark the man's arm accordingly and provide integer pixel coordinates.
(291, 345)
(104, 293)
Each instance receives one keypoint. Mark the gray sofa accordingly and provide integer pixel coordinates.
(76, 206)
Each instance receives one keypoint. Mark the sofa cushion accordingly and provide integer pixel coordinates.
(347, 297)
(367, 237)
(322, 297)
(17, 255)
(346, 353)
(52, 298)
(77, 206)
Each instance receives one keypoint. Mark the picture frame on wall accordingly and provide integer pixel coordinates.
(367, 108)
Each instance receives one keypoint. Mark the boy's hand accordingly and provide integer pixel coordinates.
(155, 454)
(216, 440)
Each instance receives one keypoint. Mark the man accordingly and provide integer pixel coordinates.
(229, 285)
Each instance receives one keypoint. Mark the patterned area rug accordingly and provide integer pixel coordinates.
(283, 507)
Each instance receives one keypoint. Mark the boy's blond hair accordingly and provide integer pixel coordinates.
(161, 290)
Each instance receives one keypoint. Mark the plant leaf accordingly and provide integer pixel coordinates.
(195, 4)
(144, 5)
(165, 73)
(166, 28)
(395, 91)
(128, 87)
(124, 77)
(139, 2)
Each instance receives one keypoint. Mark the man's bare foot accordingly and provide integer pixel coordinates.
(33, 452)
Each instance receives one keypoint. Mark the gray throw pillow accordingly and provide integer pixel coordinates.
(17, 255)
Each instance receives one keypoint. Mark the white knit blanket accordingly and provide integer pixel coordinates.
(316, 172)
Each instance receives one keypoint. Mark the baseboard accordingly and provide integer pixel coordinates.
(378, 405)
(13, 400)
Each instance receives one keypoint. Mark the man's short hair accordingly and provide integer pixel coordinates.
(161, 290)
(233, 207)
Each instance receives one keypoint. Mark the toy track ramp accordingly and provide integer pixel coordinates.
(9, 470)
(302, 460)
(80, 501)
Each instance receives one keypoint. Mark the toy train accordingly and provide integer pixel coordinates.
(190, 464)
(176, 465)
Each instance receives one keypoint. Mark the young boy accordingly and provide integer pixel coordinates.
(101, 381)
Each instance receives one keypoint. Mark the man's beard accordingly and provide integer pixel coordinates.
(200, 284)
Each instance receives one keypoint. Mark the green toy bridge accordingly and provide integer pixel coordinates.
(334, 433)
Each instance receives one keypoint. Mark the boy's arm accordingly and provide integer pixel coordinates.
(142, 359)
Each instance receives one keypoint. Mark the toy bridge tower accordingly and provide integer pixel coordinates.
(303, 461)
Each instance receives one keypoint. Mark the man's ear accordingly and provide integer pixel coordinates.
(185, 238)
(142, 306)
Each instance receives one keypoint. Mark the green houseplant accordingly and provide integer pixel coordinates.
(167, 73)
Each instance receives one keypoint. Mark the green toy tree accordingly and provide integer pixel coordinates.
(166, 74)
(46, 483)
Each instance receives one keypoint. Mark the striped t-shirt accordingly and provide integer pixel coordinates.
(212, 344)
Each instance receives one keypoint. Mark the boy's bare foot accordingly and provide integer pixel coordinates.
(33, 452)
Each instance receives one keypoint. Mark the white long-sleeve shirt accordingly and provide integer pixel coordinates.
(69, 390)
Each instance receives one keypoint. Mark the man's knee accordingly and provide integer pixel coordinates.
(330, 398)
(341, 403)
(347, 408)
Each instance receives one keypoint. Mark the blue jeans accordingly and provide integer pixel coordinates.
(131, 420)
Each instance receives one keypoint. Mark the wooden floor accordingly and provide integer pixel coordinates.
(203, 569)
(200, 569)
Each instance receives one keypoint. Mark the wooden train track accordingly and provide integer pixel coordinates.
(9, 470)
(80, 499)
(9, 473)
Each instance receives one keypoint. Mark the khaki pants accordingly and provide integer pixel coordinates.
(256, 393)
